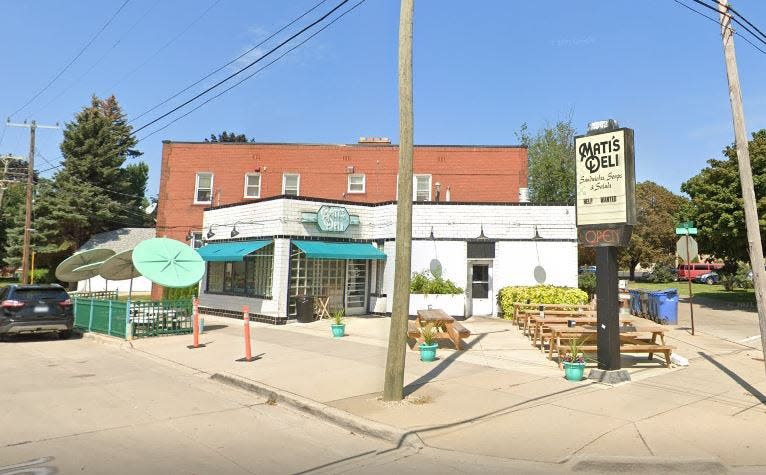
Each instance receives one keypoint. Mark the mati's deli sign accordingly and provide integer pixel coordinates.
(605, 175)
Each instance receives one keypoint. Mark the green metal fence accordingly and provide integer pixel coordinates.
(164, 317)
(101, 316)
(133, 319)
(98, 294)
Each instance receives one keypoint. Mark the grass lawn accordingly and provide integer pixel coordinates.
(714, 292)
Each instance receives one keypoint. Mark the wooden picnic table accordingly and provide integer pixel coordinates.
(632, 338)
(320, 306)
(527, 316)
(538, 324)
(446, 326)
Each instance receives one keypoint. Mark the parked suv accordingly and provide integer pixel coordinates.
(35, 308)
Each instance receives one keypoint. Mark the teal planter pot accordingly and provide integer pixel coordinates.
(338, 330)
(574, 371)
(428, 352)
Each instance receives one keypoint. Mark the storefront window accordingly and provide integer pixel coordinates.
(316, 277)
(249, 278)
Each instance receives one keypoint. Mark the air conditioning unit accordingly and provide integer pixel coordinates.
(349, 169)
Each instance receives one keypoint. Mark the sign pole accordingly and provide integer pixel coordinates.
(689, 279)
(606, 214)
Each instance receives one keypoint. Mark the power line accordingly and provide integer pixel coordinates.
(719, 23)
(98, 61)
(745, 20)
(245, 68)
(232, 61)
(82, 50)
(735, 20)
(253, 73)
(162, 48)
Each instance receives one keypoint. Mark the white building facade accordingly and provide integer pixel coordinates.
(264, 254)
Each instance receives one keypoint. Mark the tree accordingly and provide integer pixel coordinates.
(93, 192)
(228, 137)
(11, 213)
(551, 167)
(653, 239)
(716, 197)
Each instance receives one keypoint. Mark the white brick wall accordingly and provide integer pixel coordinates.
(511, 226)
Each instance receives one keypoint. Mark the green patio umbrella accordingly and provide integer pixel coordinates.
(168, 262)
(76, 267)
(120, 267)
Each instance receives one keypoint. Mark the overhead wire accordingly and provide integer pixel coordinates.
(76, 57)
(298, 18)
(735, 19)
(253, 73)
(265, 55)
(99, 60)
(162, 48)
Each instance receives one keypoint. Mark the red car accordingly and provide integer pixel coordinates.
(686, 271)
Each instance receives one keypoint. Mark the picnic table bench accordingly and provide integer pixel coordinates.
(446, 327)
(632, 339)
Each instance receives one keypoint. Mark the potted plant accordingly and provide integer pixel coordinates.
(429, 345)
(337, 325)
(574, 361)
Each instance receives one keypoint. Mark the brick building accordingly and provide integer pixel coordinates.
(198, 175)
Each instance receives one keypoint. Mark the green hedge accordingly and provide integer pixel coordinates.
(425, 283)
(181, 294)
(549, 294)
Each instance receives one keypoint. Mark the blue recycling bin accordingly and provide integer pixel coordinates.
(667, 306)
(635, 302)
(653, 298)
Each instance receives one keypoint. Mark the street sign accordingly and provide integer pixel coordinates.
(687, 253)
(685, 231)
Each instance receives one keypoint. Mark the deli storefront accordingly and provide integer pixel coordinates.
(264, 254)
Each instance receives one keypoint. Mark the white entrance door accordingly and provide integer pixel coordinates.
(481, 288)
(356, 287)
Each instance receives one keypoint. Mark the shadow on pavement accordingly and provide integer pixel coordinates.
(758, 395)
(440, 367)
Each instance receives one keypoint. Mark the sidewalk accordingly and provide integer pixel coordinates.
(502, 398)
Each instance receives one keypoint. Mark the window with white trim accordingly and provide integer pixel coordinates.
(421, 188)
(253, 185)
(356, 183)
(196, 241)
(291, 184)
(203, 190)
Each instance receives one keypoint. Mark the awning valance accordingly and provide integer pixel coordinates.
(230, 251)
(339, 250)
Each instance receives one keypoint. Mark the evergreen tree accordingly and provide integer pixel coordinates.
(93, 192)
(228, 137)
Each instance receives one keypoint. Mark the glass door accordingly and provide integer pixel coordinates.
(356, 287)
(481, 292)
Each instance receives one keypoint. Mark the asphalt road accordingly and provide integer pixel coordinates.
(77, 406)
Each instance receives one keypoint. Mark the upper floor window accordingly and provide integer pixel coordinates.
(203, 191)
(422, 188)
(196, 241)
(356, 183)
(291, 184)
(253, 185)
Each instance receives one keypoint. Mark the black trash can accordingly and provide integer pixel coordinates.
(304, 308)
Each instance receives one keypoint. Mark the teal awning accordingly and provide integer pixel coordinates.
(338, 250)
(230, 251)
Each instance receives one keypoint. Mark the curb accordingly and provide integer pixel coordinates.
(330, 414)
(619, 464)
(106, 340)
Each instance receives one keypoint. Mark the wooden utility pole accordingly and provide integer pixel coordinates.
(30, 186)
(393, 389)
(745, 171)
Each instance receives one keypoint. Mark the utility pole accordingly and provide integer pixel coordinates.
(30, 185)
(745, 171)
(6, 159)
(393, 388)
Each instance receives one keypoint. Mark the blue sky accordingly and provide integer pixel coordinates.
(482, 69)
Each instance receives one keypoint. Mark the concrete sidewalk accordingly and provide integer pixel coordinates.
(502, 398)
